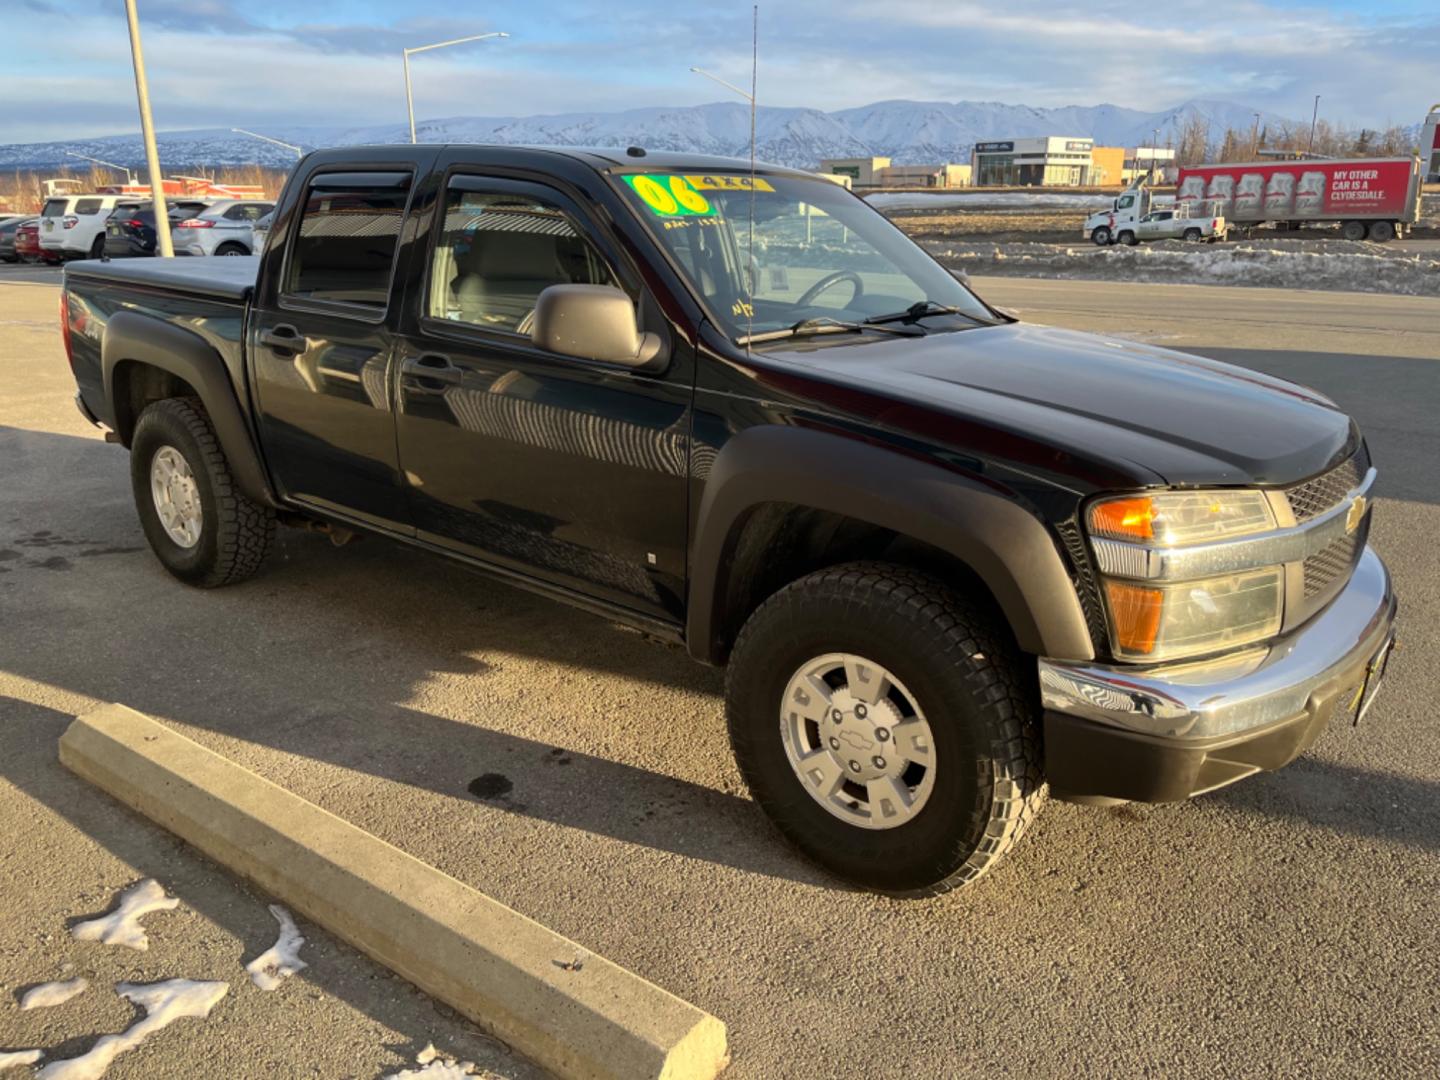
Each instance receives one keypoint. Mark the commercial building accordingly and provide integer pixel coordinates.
(1156, 162)
(1044, 161)
(877, 172)
(1430, 144)
(1107, 165)
(863, 172)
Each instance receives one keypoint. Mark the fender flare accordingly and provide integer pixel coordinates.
(131, 337)
(1005, 544)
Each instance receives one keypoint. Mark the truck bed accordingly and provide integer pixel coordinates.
(231, 278)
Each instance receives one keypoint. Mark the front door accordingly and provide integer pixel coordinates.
(565, 470)
(320, 349)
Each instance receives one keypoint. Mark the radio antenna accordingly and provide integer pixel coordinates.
(754, 69)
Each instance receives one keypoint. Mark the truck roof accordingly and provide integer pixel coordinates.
(602, 159)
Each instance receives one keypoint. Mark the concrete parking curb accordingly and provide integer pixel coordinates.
(582, 1017)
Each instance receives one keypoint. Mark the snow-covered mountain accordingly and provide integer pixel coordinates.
(910, 132)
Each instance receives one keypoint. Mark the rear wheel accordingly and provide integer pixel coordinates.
(231, 248)
(1101, 236)
(1192, 235)
(97, 248)
(885, 725)
(1128, 238)
(1382, 232)
(202, 529)
(1353, 230)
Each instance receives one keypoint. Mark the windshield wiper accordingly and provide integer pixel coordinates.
(822, 325)
(918, 311)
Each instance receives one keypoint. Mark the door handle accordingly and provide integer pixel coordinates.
(432, 367)
(284, 339)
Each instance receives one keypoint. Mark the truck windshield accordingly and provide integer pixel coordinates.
(820, 256)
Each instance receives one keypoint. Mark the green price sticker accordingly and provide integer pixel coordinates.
(670, 196)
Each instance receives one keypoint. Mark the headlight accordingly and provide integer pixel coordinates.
(1152, 616)
(1162, 622)
(1177, 518)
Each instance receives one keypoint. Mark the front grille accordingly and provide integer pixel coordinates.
(1329, 563)
(1318, 494)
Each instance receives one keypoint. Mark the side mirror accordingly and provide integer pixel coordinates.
(592, 322)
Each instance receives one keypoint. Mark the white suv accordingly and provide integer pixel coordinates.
(222, 228)
(73, 226)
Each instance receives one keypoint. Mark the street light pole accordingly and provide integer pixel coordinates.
(129, 176)
(405, 55)
(1314, 115)
(147, 131)
(1255, 138)
(299, 151)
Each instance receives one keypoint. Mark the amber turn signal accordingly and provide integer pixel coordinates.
(1134, 616)
(1128, 519)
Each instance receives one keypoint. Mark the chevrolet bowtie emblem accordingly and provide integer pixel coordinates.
(1356, 514)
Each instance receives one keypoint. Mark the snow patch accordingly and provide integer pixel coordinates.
(122, 926)
(988, 200)
(435, 1066)
(163, 1002)
(1332, 265)
(52, 993)
(9, 1059)
(281, 960)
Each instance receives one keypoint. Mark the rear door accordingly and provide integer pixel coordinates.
(566, 470)
(320, 343)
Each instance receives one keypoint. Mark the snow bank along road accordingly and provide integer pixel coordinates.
(1343, 265)
(1226, 934)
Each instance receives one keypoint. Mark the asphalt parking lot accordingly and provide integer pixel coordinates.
(1289, 926)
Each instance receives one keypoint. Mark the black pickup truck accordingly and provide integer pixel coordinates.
(952, 562)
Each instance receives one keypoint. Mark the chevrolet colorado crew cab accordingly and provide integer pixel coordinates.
(953, 563)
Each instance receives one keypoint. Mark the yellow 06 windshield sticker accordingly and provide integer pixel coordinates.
(727, 182)
(670, 196)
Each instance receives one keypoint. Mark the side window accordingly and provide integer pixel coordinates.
(498, 252)
(1126, 202)
(88, 206)
(344, 249)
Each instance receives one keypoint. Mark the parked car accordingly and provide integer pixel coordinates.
(8, 230)
(27, 241)
(951, 561)
(223, 228)
(130, 229)
(260, 233)
(73, 226)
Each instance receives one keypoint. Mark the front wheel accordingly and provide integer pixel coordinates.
(198, 523)
(886, 727)
(1101, 236)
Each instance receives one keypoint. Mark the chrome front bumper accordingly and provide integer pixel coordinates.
(1165, 733)
(1242, 693)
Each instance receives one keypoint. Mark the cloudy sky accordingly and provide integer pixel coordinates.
(66, 71)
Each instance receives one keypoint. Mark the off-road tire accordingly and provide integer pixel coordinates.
(235, 532)
(1101, 236)
(968, 678)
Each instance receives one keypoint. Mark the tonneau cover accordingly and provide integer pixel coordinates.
(231, 277)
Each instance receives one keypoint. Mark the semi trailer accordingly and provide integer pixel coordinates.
(1369, 198)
